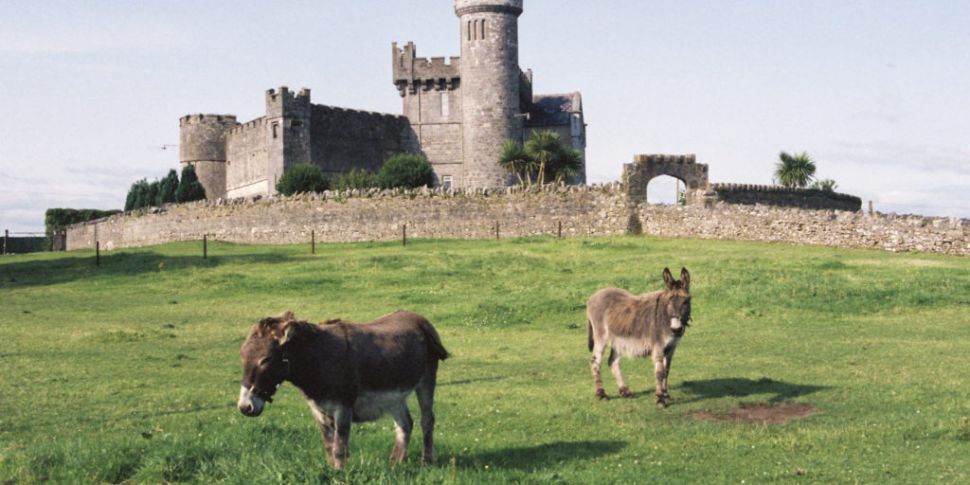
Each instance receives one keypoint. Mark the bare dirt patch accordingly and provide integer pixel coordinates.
(759, 413)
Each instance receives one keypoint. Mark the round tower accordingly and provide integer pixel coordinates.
(490, 79)
(202, 143)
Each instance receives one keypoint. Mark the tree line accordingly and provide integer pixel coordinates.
(170, 189)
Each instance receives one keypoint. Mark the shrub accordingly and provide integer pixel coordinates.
(57, 219)
(825, 185)
(357, 178)
(405, 170)
(167, 188)
(137, 195)
(302, 177)
(189, 188)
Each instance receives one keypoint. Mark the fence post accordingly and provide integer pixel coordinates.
(205, 246)
(496, 231)
(870, 207)
(6, 240)
(313, 242)
(97, 253)
(404, 235)
(559, 236)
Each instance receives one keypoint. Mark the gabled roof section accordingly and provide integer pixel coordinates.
(554, 109)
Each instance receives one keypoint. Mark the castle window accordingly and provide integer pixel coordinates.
(445, 108)
(276, 130)
(468, 30)
(475, 36)
(446, 182)
(483, 28)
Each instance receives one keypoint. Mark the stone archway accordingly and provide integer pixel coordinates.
(644, 168)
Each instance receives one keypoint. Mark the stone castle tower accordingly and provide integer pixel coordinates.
(490, 75)
(202, 143)
(457, 112)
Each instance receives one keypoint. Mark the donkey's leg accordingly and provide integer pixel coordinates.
(325, 422)
(595, 361)
(425, 392)
(614, 362)
(668, 359)
(342, 417)
(660, 374)
(402, 432)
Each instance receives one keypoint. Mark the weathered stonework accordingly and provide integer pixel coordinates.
(644, 168)
(781, 196)
(472, 214)
(457, 112)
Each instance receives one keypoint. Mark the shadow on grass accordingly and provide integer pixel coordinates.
(742, 387)
(540, 456)
(67, 269)
(460, 382)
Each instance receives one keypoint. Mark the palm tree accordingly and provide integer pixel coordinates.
(543, 147)
(567, 164)
(515, 161)
(794, 170)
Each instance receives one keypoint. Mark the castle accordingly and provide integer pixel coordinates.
(456, 111)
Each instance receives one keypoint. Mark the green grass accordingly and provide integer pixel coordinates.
(129, 372)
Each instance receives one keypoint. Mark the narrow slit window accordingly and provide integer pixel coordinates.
(276, 130)
(469, 30)
(483, 29)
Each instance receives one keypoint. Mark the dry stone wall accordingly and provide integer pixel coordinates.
(371, 216)
(583, 211)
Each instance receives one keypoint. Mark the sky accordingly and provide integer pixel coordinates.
(876, 91)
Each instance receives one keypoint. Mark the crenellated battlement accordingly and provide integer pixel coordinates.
(199, 119)
(337, 111)
(249, 125)
(663, 158)
(284, 94)
(409, 71)
(285, 103)
(724, 188)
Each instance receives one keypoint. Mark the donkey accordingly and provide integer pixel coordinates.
(637, 326)
(347, 373)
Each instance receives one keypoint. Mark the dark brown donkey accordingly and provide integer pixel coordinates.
(347, 373)
(637, 326)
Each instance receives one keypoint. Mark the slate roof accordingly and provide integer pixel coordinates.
(554, 109)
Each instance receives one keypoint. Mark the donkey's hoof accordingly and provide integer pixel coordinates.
(601, 395)
(625, 392)
(662, 401)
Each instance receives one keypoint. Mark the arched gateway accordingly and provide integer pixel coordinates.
(644, 168)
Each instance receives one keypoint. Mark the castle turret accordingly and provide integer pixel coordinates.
(202, 143)
(490, 78)
(288, 121)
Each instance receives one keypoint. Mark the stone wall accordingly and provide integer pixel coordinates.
(342, 139)
(837, 228)
(784, 197)
(371, 216)
(247, 153)
(583, 211)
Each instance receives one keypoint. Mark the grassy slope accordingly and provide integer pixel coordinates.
(130, 371)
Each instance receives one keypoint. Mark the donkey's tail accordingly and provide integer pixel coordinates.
(589, 334)
(435, 348)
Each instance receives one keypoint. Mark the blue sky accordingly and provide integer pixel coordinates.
(876, 91)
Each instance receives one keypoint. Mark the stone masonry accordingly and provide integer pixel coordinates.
(472, 214)
(456, 111)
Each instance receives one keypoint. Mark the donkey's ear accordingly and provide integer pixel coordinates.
(668, 279)
(286, 316)
(685, 278)
(288, 332)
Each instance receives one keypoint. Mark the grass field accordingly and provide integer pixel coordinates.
(129, 372)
